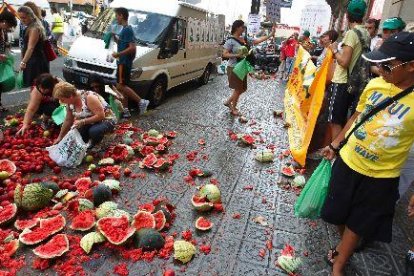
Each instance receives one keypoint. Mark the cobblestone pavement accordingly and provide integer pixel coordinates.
(197, 113)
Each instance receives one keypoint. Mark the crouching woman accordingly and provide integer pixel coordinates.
(86, 111)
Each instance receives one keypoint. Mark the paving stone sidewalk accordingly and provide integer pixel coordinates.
(197, 113)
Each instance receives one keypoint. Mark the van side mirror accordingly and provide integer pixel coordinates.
(175, 46)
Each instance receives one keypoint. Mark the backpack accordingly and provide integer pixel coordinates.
(251, 58)
(360, 75)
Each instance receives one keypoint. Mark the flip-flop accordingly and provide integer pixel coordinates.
(334, 253)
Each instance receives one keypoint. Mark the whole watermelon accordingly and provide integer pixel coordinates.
(32, 197)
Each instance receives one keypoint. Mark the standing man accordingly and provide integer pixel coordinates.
(340, 100)
(372, 26)
(125, 56)
(57, 28)
(290, 53)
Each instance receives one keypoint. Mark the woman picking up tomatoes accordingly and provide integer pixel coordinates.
(86, 111)
(41, 102)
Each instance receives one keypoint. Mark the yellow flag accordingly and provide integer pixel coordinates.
(303, 101)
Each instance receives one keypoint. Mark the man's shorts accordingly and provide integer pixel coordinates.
(339, 103)
(123, 74)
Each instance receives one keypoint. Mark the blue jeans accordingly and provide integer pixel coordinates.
(96, 132)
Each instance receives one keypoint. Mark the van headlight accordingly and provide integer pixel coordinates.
(136, 73)
(68, 62)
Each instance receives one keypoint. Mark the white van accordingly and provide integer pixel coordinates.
(16, 4)
(176, 43)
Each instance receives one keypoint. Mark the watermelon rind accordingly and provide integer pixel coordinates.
(211, 192)
(105, 208)
(101, 193)
(9, 248)
(160, 220)
(201, 206)
(61, 240)
(32, 197)
(112, 184)
(87, 242)
(7, 169)
(149, 239)
(184, 251)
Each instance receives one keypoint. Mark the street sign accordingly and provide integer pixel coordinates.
(253, 26)
(273, 10)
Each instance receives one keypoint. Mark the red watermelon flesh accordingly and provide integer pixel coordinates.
(56, 247)
(7, 168)
(10, 248)
(28, 223)
(47, 228)
(83, 221)
(143, 220)
(7, 213)
(160, 220)
(115, 229)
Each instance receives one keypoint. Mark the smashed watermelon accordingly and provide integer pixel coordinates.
(160, 220)
(48, 227)
(28, 223)
(9, 248)
(203, 224)
(115, 229)
(7, 213)
(143, 220)
(201, 204)
(55, 247)
(84, 221)
(7, 169)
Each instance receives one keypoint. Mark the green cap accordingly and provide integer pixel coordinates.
(306, 33)
(393, 23)
(357, 7)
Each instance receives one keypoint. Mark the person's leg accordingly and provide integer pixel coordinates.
(98, 130)
(346, 248)
(84, 132)
(127, 93)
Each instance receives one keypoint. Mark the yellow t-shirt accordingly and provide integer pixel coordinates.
(380, 147)
(351, 39)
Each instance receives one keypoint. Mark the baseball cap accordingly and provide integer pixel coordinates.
(306, 33)
(398, 47)
(357, 7)
(393, 23)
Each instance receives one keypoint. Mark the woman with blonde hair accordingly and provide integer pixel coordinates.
(34, 62)
(86, 111)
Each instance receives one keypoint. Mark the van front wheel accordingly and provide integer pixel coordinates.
(206, 75)
(157, 92)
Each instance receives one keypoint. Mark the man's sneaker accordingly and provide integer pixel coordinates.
(143, 105)
(126, 114)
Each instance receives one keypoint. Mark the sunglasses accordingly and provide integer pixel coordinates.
(388, 68)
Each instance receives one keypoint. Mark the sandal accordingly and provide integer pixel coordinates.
(228, 104)
(330, 258)
(235, 112)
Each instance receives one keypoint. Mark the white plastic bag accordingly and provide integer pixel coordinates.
(70, 151)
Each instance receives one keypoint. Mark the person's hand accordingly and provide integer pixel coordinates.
(78, 123)
(22, 130)
(22, 66)
(411, 207)
(333, 47)
(57, 140)
(328, 153)
(3, 58)
(116, 55)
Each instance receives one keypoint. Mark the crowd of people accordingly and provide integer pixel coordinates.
(87, 110)
(367, 133)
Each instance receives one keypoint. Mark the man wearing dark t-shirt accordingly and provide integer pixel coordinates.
(125, 56)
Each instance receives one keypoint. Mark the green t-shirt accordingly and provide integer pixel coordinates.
(351, 39)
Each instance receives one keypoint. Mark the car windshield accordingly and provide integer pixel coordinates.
(148, 27)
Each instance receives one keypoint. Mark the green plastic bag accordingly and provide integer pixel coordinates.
(7, 77)
(312, 198)
(59, 115)
(242, 68)
(107, 39)
(114, 106)
(19, 80)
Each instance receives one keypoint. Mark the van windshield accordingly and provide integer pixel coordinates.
(149, 28)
